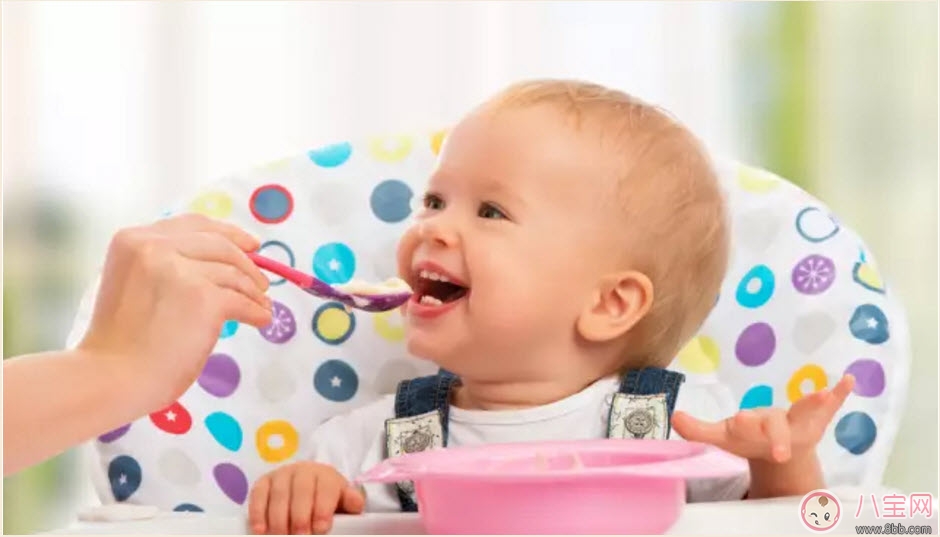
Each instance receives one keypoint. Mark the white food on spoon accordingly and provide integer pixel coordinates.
(388, 287)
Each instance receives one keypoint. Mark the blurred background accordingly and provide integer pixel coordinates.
(111, 110)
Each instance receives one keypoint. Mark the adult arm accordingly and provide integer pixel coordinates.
(166, 291)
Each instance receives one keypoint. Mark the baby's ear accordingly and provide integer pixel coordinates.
(615, 306)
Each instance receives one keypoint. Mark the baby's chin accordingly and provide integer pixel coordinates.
(441, 353)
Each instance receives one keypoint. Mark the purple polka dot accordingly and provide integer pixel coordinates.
(813, 274)
(220, 377)
(282, 327)
(231, 481)
(869, 377)
(111, 436)
(756, 344)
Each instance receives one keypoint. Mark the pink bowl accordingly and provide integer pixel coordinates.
(581, 487)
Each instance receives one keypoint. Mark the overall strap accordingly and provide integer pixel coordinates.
(422, 407)
(644, 405)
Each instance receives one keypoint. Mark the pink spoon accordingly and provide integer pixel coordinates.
(321, 289)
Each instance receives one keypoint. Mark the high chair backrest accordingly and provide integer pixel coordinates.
(802, 304)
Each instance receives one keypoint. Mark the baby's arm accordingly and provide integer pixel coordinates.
(780, 445)
(799, 475)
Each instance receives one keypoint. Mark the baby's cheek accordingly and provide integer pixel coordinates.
(405, 251)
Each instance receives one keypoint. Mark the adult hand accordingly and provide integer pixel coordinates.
(166, 290)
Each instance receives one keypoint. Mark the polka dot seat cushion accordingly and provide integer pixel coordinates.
(802, 304)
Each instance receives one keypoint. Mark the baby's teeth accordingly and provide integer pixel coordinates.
(434, 276)
(424, 274)
(443, 278)
(430, 300)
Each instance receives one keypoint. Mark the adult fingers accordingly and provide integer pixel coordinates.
(229, 277)
(208, 246)
(238, 307)
(196, 222)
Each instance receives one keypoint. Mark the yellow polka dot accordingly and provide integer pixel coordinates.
(385, 328)
(810, 372)
(275, 165)
(437, 140)
(276, 440)
(212, 204)
(700, 355)
(757, 181)
(333, 323)
(867, 274)
(390, 149)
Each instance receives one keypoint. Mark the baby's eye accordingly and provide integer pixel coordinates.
(488, 210)
(826, 516)
(433, 202)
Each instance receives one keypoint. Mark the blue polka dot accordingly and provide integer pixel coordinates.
(271, 204)
(336, 381)
(856, 432)
(278, 251)
(187, 508)
(331, 156)
(228, 329)
(758, 396)
(334, 263)
(391, 201)
(125, 477)
(816, 226)
(225, 429)
(869, 324)
(756, 287)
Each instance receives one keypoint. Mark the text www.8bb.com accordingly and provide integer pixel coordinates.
(890, 528)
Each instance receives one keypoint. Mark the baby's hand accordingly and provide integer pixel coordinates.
(299, 498)
(770, 434)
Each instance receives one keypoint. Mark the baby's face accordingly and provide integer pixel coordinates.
(508, 246)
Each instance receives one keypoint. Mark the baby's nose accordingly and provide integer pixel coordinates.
(438, 231)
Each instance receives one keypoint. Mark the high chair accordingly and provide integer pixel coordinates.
(802, 304)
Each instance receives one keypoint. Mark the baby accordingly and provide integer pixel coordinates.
(572, 240)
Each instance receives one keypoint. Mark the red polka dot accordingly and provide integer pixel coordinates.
(174, 419)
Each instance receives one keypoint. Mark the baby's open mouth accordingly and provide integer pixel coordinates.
(434, 289)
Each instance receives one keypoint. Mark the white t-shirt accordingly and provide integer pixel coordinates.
(354, 442)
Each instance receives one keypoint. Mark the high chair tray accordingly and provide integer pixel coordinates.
(778, 516)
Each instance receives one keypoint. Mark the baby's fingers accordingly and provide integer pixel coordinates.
(279, 502)
(325, 505)
(353, 501)
(777, 430)
(303, 491)
(696, 430)
(840, 392)
(258, 506)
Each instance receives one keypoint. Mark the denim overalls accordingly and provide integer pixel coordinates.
(642, 408)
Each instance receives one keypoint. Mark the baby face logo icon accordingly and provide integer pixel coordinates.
(820, 511)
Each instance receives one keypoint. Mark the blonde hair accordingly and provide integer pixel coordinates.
(676, 229)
